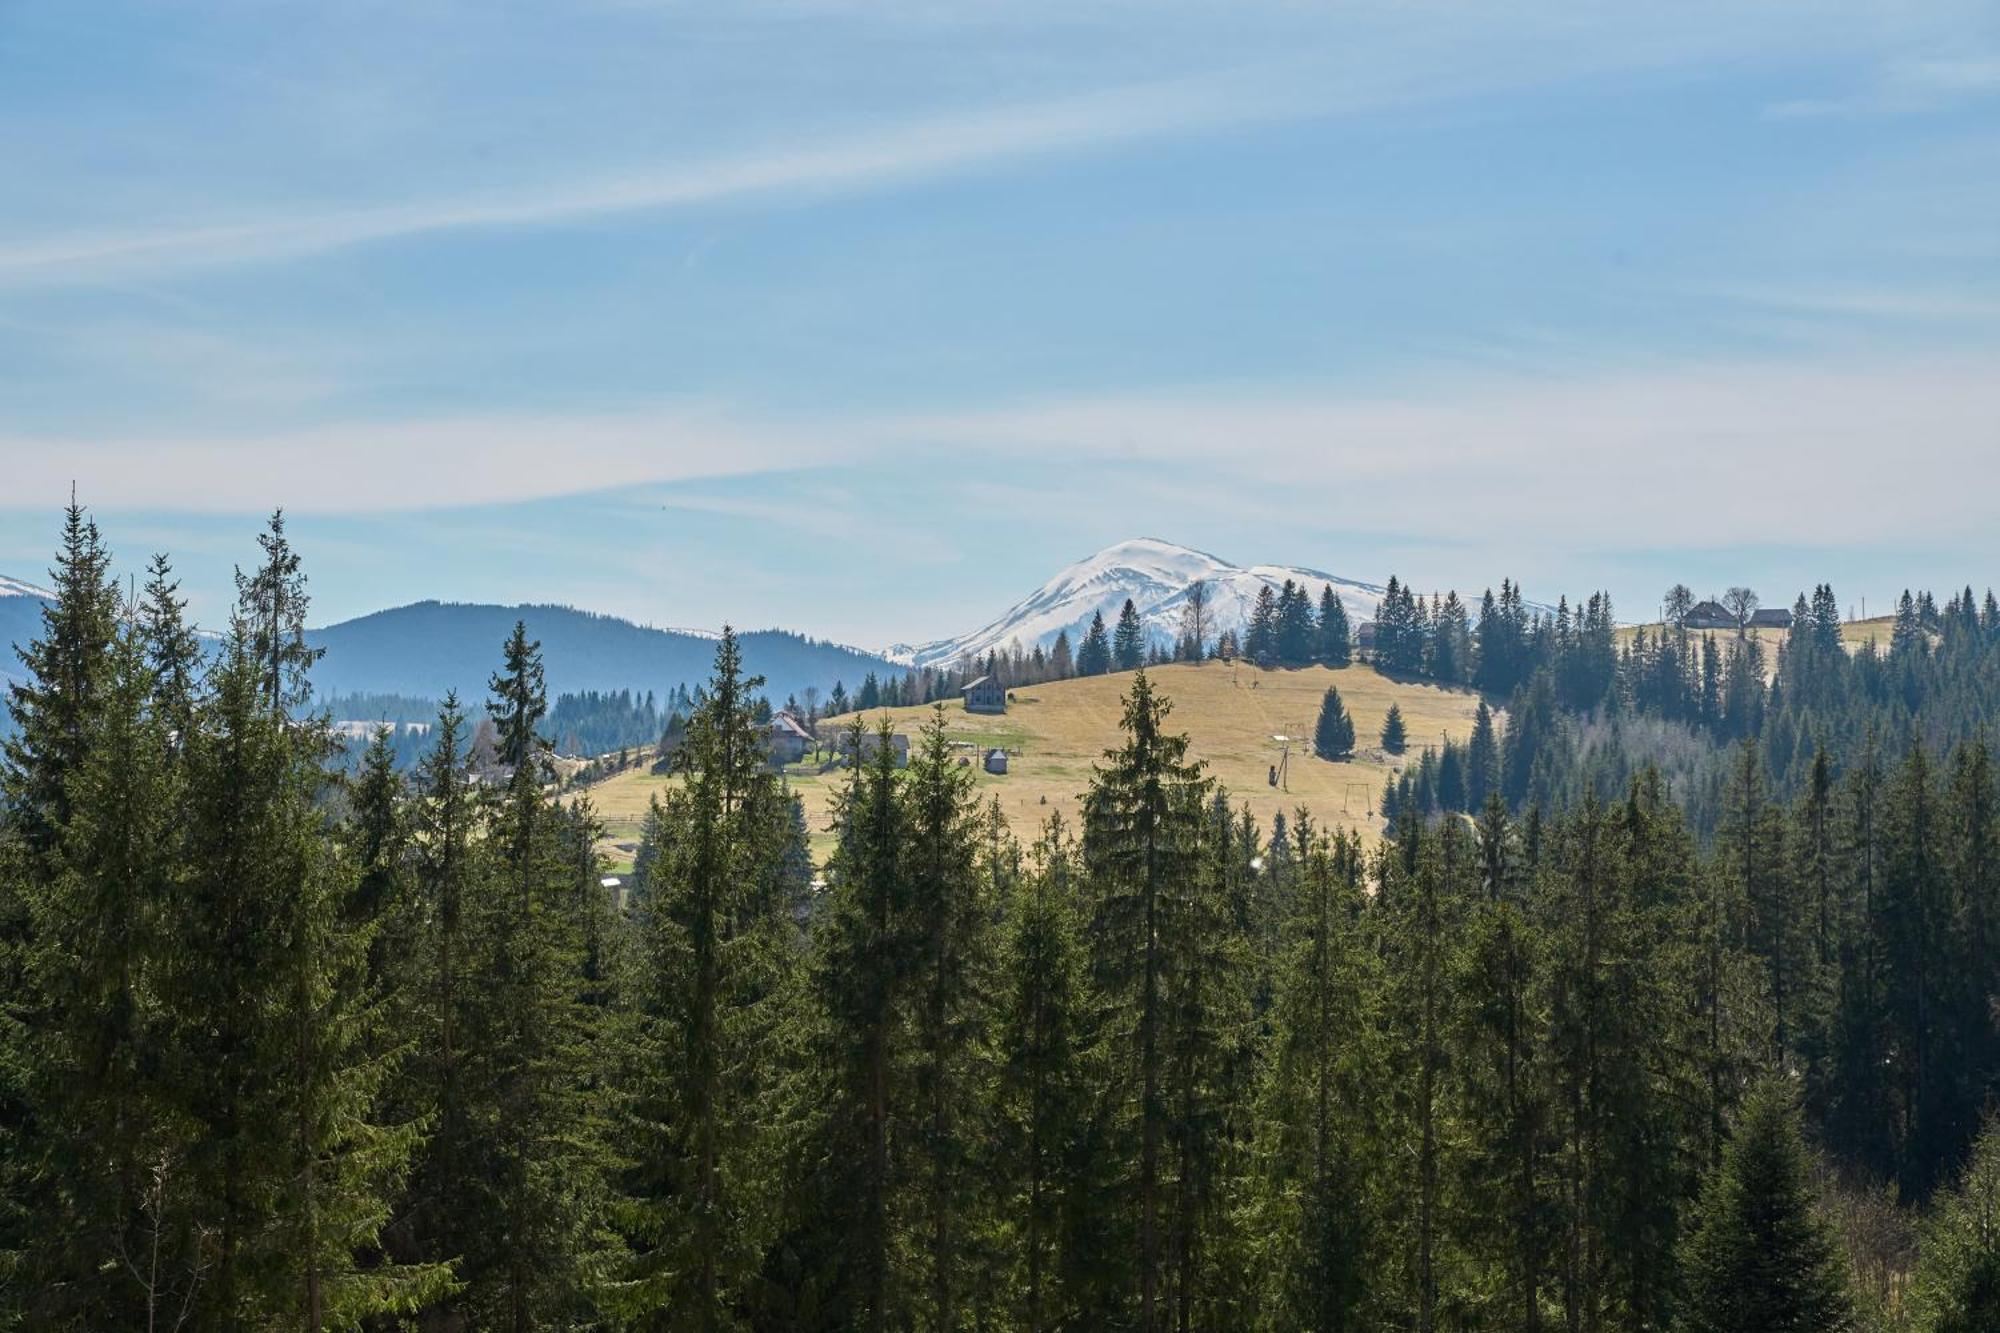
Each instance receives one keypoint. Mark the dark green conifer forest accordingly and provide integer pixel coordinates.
(1668, 1003)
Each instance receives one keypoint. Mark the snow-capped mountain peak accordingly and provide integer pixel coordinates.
(1156, 575)
(19, 588)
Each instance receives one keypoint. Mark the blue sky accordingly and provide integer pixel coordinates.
(863, 318)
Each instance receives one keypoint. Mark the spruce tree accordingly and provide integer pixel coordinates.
(1043, 1166)
(949, 1011)
(1402, 631)
(1618, 1160)
(101, 1129)
(1061, 666)
(1534, 728)
(1426, 882)
(1333, 734)
(1759, 1257)
(1451, 642)
(1298, 630)
(64, 677)
(862, 945)
(1502, 1014)
(1260, 638)
(54, 708)
(1336, 640)
(271, 605)
(1907, 637)
(1143, 820)
(1395, 736)
(276, 1055)
(1816, 859)
(1451, 777)
(1209, 927)
(173, 651)
(716, 977)
(1317, 1108)
(1482, 759)
(1128, 645)
(545, 1249)
(1094, 657)
(444, 1215)
(383, 898)
(1860, 1120)
(1753, 843)
(1917, 958)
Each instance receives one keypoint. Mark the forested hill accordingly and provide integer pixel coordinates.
(286, 1049)
(428, 647)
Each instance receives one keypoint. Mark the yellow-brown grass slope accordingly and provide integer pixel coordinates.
(1056, 732)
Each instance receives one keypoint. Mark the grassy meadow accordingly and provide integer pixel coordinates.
(1056, 732)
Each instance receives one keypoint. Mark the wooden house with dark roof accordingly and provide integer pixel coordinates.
(984, 695)
(1710, 615)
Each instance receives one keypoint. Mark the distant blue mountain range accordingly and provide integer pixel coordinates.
(430, 647)
(20, 621)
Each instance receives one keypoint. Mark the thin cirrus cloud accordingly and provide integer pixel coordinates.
(1694, 455)
(1423, 59)
(928, 148)
(1909, 86)
(457, 461)
(1910, 304)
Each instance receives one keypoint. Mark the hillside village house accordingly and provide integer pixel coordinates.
(1710, 615)
(985, 695)
(1714, 615)
(996, 760)
(786, 738)
(871, 741)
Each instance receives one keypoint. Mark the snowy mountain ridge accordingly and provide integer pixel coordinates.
(1156, 575)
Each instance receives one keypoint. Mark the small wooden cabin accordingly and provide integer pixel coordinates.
(787, 739)
(985, 695)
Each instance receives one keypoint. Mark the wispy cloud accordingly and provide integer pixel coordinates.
(1394, 56)
(1693, 456)
(903, 153)
(1907, 304)
(1697, 455)
(409, 464)
(1907, 87)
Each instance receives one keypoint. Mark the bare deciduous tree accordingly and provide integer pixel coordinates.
(811, 719)
(1742, 604)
